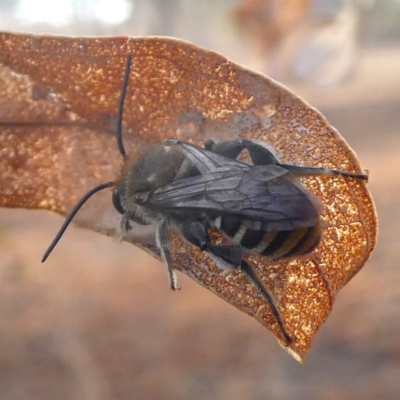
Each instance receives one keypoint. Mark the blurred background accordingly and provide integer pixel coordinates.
(98, 320)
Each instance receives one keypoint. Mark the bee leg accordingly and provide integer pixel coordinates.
(225, 256)
(259, 154)
(163, 244)
(230, 149)
(255, 280)
(311, 171)
(230, 257)
(125, 225)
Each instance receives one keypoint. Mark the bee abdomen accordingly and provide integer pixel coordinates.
(231, 225)
(293, 243)
(307, 242)
(275, 244)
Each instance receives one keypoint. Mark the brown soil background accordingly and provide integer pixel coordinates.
(98, 320)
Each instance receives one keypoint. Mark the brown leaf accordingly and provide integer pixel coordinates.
(58, 107)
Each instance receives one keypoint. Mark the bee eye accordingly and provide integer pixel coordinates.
(116, 199)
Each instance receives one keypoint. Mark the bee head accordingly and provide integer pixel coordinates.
(158, 166)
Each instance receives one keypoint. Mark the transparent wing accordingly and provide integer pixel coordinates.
(206, 161)
(264, 197)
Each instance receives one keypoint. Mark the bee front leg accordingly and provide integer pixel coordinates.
(125, 225)
(163, 244)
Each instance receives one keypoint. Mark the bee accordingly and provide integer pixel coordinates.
(261, 207)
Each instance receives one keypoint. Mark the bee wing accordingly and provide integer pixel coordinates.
(206, 161)
(264, 197)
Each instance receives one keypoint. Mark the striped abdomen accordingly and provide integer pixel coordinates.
(275, 244)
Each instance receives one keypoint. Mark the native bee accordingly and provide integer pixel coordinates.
(261, 206)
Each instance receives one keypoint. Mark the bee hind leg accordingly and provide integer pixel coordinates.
(230, 149)
(225, 256)
(255, 280)
(259, 154)
(230, 257)
(313, 171)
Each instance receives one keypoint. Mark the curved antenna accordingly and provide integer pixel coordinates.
(121, 106)
(72, 214)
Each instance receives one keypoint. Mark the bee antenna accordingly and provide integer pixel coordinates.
(72, 214)
(121, 106)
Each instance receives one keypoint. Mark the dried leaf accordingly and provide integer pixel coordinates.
(58, 107)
